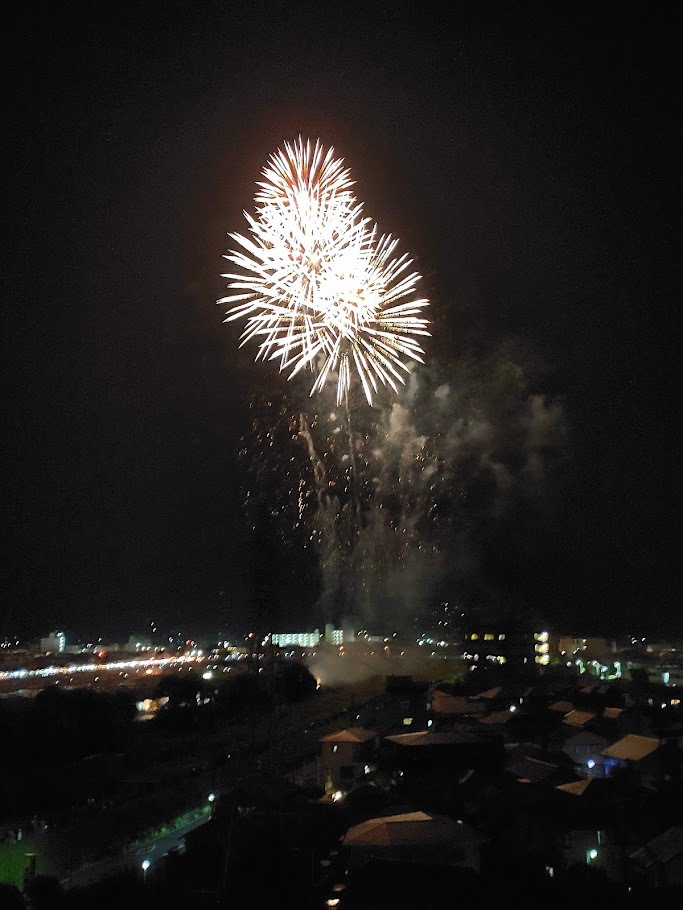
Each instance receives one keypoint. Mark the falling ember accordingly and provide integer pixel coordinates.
(317, 284)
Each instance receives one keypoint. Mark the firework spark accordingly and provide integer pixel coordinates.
(318, 285)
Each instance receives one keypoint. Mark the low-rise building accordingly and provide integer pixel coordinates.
(414, 837)
(53, 643)
(638, 754)
(346, 757)
(660, 861)
(585, 748)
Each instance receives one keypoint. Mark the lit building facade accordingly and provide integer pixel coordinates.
(346, 757)
(331, 636)
(511, 648)
(296, 639)
(53, 643)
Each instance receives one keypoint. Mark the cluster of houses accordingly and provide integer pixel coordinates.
(556, 776)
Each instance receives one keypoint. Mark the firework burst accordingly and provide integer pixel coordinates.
(318, 285)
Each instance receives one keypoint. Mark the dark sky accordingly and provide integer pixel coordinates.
(525, 153)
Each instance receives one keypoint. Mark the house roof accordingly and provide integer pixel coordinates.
(612, 713)
(585, 738)
(427, 738)
(575, 787)
(496, 717)
(578, 718)
(349, 735)
(490, 693)
(632, 747)
(410, 828)
(662, 849)
(563, 707)
(531, 770)
(443, 703)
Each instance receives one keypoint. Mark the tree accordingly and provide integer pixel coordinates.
(11, 898)
(46, 893)
(183, 690)
(296, 681)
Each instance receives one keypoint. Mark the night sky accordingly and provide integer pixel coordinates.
(524, 153)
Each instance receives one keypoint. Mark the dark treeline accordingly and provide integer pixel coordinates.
(69, 747)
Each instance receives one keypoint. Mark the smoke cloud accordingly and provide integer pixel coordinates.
(444, 491)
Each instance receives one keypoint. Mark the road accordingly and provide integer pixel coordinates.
(276, 744)
(152, 850)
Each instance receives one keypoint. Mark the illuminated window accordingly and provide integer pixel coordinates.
(489, 637)
(334, 748)
(501, 638)
(474, 637)
(407, 721)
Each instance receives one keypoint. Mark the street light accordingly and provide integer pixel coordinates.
(145, 866)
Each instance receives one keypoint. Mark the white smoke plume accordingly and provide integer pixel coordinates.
(451, 488)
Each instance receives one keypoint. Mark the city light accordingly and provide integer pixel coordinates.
(151, 663)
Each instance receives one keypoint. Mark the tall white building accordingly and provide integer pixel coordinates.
(55, 643)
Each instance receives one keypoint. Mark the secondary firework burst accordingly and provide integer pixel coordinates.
(319, 286)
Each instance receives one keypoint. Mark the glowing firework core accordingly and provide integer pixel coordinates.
(318, 287)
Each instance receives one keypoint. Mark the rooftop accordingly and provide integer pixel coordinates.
(661, 849)
(563, 707)
(578, 718)
(349, 735)
(427, 738)
(443, 703)
(497, 717)
(612, 713)
(490, 693)
(531, 770)
(632, 747)
(410, 828)
(575, 787)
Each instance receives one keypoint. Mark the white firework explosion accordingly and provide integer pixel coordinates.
(318, 287)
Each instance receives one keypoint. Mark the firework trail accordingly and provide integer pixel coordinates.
(319, 287)
(328, 527)
(451, 486)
